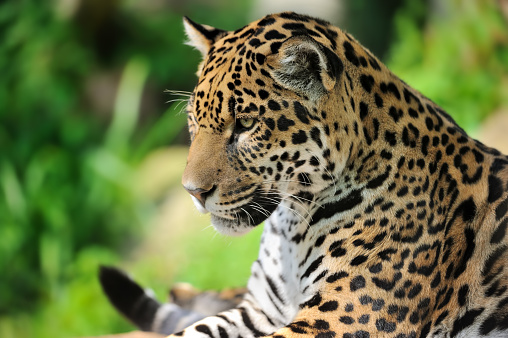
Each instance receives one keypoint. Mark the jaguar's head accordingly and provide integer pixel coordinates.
(258, 119)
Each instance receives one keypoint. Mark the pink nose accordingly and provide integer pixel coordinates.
(200, 194)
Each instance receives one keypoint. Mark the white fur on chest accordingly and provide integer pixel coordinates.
(275, 279)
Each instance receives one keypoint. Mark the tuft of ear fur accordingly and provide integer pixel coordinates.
(201, 37)
(305, 66)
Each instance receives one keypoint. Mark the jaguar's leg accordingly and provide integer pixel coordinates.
(319, 317)
(246, 320)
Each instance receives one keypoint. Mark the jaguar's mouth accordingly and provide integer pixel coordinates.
(242, 219)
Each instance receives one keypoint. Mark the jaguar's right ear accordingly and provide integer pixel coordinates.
(201, 37)
(305, 66)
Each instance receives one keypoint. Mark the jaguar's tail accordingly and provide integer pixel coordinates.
(187, 304)
(128, 297)
(140, 307)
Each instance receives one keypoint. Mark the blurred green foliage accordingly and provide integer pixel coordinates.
(67, 198)
(459, 59)
(68, 160)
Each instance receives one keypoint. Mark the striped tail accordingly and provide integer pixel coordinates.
(128, 297)
(187, 306)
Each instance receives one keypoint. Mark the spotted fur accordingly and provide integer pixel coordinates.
(382, 216)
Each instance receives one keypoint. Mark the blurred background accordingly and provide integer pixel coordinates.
(92, 148)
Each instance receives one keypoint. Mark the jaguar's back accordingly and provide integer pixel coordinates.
(383, 217)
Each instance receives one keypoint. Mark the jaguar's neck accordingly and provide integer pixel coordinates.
(407, 159)
(410, 169)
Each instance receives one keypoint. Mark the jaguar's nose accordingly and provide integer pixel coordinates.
(200, 194)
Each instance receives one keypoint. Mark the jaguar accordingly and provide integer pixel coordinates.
(382, 217)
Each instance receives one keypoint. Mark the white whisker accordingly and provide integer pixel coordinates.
(176, 100)
(250, 217)
(277, 202)
(260, 208)
(178, 92)
(299, 198)
(296, 213)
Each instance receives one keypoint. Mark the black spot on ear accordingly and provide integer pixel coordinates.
(209, 33)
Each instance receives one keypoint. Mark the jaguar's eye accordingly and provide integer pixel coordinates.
(245, 123)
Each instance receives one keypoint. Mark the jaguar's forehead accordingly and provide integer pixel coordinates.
(234, 76)
(252, 43)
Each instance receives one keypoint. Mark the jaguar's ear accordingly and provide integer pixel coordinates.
(304, 65)
(201, 37)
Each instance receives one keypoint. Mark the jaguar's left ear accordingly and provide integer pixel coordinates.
(306, 66)
(201, 37)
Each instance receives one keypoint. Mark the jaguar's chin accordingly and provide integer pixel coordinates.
(230, 227)
(244, 219)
